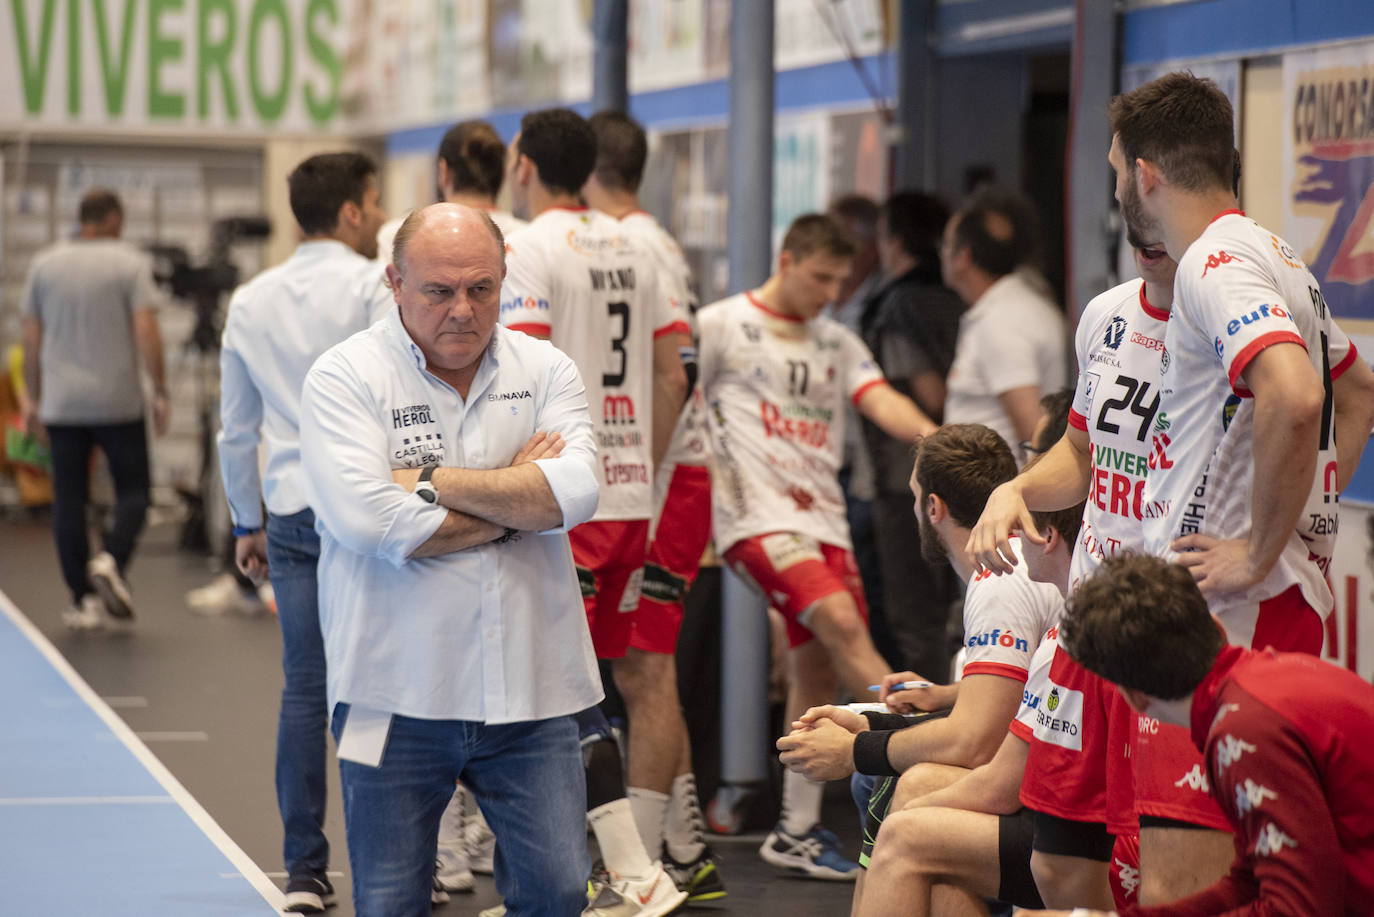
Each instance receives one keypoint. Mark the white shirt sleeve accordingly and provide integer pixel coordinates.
(240, 410)
(572, 475)
(1238, 308)
(670, 311)
(861, 370)
(346, 472)
(1002, 626)
(526, 294)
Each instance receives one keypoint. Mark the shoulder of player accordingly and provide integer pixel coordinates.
(1108, 303)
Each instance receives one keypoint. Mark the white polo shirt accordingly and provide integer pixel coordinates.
(277, 326)
(1010, 338)
(496, 633)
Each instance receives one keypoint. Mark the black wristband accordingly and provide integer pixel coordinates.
(879, 720)
(870, 753)
(427, 472)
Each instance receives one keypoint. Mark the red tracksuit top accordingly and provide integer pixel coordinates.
(1289, 745)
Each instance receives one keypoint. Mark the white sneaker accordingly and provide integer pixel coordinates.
(815, 854)
(451, 868)
(88, 615)
(604, 901)
(103, 573)
(655, 894)
(481, 843)
(223, 594)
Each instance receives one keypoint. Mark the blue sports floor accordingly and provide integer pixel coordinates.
(90, 821)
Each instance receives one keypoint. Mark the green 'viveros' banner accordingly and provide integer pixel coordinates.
(168, 65)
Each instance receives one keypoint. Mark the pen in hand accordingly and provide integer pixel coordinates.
(904, 686)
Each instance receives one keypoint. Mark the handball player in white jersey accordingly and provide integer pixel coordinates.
(659, 779)
(574, 278)
(775, 377)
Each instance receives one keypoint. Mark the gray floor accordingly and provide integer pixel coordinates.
(203, 694)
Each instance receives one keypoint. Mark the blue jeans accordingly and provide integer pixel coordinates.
(527, 779)
(293, 551)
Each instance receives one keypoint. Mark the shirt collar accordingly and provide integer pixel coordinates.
(315, 248)
(1208, 691)
(406, 345)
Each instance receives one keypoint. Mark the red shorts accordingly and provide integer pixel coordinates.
(795, 572)
(1170, 777)
(684, 528)
(1071, 779)
(1124, 872)
(610, 564)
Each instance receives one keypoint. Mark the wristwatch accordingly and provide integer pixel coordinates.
(424, 489)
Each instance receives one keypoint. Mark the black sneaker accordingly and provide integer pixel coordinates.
(309, 895)
(700, 879)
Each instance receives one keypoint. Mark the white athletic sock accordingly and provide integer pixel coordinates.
(801, 803)
(621, 849)
(650, 808)
(683, 826)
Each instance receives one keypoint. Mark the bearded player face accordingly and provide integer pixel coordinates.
(932, 548)
(1142, 230)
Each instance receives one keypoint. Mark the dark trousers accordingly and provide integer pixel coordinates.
(126, 449)
(916, 593)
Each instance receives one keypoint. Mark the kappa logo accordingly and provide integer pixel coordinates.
(1116, 332)
(1251, 795)
(1195, 779)
(1129, 878)
(1229, 751)
(1272, 840)
(1221, 713)
(1220, 258)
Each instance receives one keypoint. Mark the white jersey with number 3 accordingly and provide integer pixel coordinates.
(775, 389)
(1240, 289)
(574, 276)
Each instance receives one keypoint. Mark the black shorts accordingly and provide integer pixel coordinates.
(1064, 837)
(1014, 838)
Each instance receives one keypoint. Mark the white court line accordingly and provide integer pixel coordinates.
(250, 871)
(85, 800)
(118, 702)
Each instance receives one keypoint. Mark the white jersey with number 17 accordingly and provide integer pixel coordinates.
(572, 275)
(775, 388)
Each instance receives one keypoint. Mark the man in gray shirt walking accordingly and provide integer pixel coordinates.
(89, 315)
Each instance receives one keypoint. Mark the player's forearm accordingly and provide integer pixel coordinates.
(1352, 417)
(458, 532)
(985, 789)
(519, 496)
(670, 391)
(1285, 460)
(895, 414)
(945, 741)
(1060, 479)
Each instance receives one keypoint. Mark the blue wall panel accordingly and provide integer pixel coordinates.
(1219, 28)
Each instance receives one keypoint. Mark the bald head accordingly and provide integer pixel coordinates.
(447, 224)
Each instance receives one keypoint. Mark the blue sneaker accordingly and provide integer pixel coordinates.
(815, 854)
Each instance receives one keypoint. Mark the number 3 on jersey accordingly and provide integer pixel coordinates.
(619, 310)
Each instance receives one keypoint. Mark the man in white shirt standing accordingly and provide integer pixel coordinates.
(446, 459)
(577, 279)
(278, 324)
(1010, 349)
